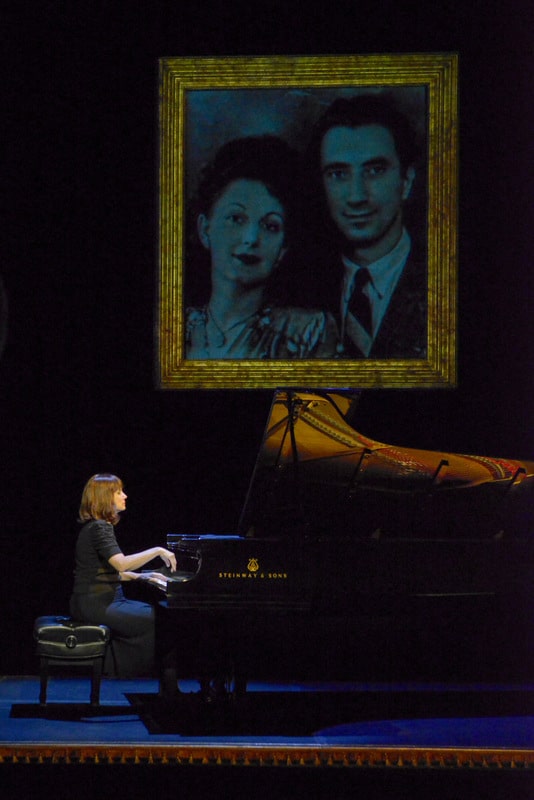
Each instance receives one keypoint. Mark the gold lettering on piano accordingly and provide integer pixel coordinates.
(253, 567)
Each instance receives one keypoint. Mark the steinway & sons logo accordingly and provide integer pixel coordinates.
(253, 572)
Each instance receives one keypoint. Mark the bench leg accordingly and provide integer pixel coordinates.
(44, 680)
(96, 677)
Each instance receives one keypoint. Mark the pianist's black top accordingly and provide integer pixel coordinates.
(95, 546)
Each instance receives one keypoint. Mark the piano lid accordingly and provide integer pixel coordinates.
(315, 473)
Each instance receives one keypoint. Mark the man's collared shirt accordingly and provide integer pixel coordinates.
(384, 276)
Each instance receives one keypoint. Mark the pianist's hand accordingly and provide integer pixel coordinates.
(149, 577)
(156, 578)
(168, 558)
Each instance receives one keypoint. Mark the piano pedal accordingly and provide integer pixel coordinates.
(212, 691)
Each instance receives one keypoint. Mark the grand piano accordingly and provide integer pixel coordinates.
(345, 541)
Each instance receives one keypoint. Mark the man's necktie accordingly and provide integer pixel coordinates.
(359, 303)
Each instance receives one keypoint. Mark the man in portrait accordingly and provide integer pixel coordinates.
(367, 268)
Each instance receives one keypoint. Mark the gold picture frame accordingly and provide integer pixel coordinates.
(185, 140)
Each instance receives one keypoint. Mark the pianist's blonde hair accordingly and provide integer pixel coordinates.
(97, 498)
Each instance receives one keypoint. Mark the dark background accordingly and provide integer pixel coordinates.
(79, 231)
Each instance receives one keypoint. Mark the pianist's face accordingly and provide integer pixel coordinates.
(119, 500)
(244, 232)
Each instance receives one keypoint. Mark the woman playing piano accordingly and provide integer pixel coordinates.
(101, 567)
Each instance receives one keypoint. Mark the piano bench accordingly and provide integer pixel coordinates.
(63, 642)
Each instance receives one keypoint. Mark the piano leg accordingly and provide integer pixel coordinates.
(191, 644)
(168, 683)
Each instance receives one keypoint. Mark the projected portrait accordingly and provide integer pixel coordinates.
(298, 225)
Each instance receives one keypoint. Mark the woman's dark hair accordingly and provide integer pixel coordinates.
(267, 159)
(353, 112)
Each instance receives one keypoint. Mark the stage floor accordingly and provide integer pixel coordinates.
(484, 726)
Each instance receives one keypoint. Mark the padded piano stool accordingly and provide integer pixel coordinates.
(63, 642)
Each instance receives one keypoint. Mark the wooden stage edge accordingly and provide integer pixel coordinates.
(394, 758)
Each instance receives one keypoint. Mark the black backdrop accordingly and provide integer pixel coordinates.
(79, 165)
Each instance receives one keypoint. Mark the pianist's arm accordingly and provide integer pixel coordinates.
(125, 564)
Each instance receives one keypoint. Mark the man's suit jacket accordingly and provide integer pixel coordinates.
(403, 332)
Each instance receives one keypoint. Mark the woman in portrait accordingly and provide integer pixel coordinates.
(102, 567)
(246, 217)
